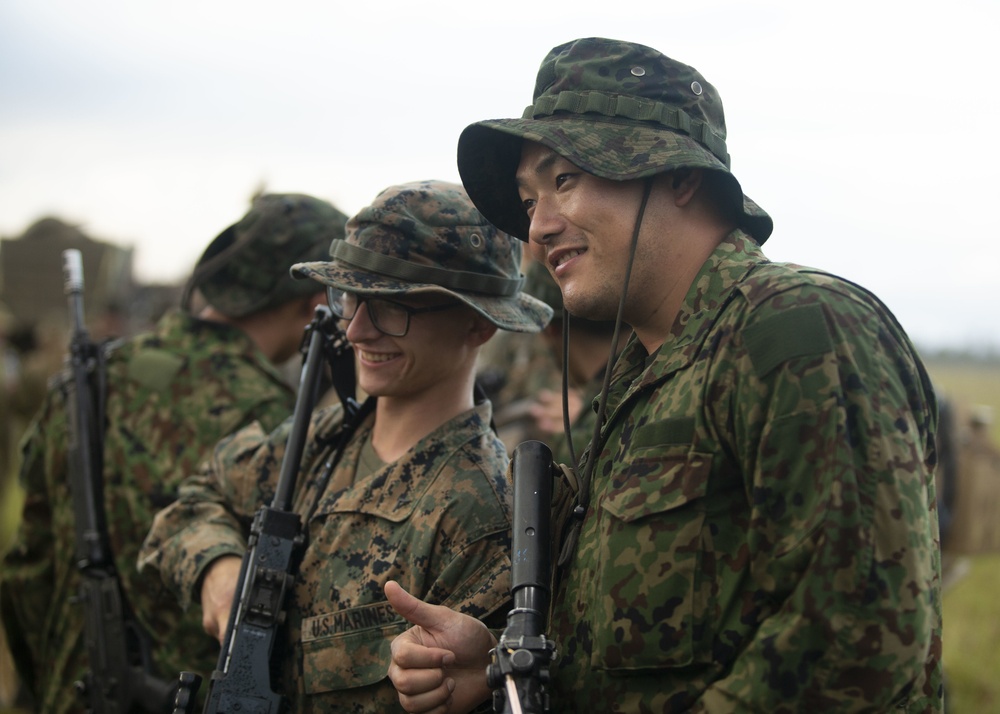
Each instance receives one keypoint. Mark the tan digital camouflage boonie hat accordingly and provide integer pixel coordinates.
(245, 269)
(615, 109)
(427, 237)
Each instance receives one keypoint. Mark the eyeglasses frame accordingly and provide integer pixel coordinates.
(409, 311)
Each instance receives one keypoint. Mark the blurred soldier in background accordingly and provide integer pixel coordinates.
(204, 372)
(512, 368)
(10, 495)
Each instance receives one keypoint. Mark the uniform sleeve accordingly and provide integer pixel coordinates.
(843, 536)
(212, 514)
(270, 412)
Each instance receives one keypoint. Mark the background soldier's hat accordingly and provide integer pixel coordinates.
(615, 109)
(245, 269)
(427, 237)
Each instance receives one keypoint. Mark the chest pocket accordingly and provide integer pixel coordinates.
(349, 648)
(648, 583)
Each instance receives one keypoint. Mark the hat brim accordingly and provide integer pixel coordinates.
(520, 313)
(490, 151)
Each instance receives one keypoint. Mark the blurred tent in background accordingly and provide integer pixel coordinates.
(31, 280)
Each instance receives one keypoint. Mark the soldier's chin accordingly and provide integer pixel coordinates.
(588, 308)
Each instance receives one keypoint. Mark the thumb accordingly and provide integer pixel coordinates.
(414, 610)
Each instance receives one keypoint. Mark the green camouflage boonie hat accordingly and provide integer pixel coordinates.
(427, 237)
(245, 269)
(615, 109)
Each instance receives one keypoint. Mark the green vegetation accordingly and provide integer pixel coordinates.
(971, 605)
(971, 634)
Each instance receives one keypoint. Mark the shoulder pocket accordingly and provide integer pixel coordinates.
(154, 368)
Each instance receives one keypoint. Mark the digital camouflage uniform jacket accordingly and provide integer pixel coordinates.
(437, 521)
(762, 532)
(172, 394)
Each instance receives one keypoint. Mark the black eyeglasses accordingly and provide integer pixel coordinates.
(389, 317)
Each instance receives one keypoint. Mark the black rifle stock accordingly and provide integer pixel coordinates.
(120, 677)
(519, 670)
(242, 679)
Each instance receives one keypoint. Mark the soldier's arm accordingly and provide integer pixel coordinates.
(842, 529)
(211, 516)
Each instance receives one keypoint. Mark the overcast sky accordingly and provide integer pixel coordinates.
(866, 129)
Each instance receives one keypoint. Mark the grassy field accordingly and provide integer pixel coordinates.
(971, 604)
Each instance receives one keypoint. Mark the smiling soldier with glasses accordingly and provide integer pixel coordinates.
(417, 494)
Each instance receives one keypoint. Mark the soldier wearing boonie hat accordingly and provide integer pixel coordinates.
(199, 374)
(427, 238)
(244, 270)
(617, 110)
(417, 492)
(758, 492)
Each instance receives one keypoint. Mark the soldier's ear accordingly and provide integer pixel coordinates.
(685, 184)
(481, 330)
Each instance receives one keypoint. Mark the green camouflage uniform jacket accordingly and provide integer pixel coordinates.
(437, 521)
(172, 394)
(762, 534)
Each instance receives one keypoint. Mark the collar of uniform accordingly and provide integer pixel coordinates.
(209, 332)
(725, 268)
(393, 491)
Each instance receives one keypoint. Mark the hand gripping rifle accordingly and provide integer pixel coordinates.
(120, 677)
(241, 681)
(519, 670)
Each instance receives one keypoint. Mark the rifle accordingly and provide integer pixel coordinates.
(120, 676)
(519, 670)
(241, 681)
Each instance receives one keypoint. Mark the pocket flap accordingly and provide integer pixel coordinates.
(657, 483)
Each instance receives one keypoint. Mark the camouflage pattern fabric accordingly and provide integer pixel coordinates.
(172, 394)
(762, 533)
(437, 521)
